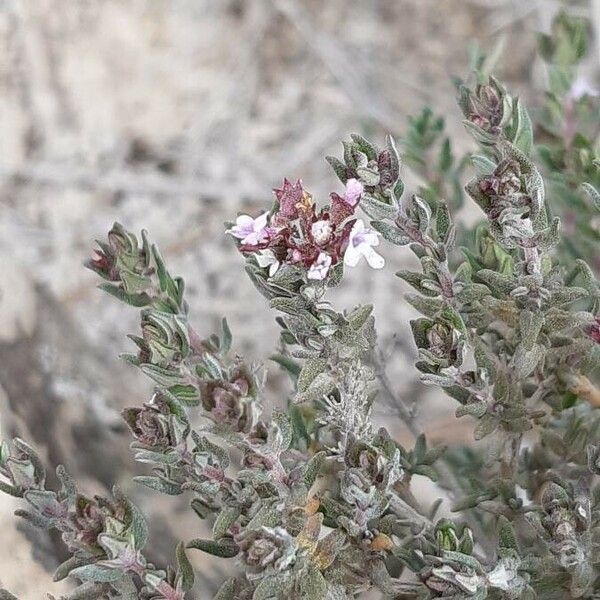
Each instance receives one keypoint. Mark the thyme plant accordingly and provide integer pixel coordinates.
(314, 502)
(567, 134)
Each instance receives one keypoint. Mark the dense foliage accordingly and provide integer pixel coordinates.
(314, 502)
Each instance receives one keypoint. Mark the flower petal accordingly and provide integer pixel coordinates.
(320, 268)
(244, 220)
(351, 256)
(354, 190)
(260, 222)
(375, 260)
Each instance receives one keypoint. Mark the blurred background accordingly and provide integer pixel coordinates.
(173, 115)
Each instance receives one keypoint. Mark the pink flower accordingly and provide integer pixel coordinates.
(342, 208)
(250, 231)
(320, 267)
(354, 190)
(289, 196)
(361, 243)
(581, 88)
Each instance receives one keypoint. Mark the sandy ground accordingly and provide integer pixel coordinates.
(173, 115)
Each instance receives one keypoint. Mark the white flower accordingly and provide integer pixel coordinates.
(250, 231)
(321, 231)
(354, 190)
(320, 268)
(361, 243)
(266, 258)
(581, 88)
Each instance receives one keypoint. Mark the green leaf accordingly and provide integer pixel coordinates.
(485, 426)
(224, 548)
(525, 360)
(416, 280)
(313, 467)
(365, 146)
(429, 307)
(475, 409)
(273, 587)
(313, 584)
(226, 338)
(358, 317)
(376, 209)
(98, 573)
(184, 567)
(159, 484)
(136, 522)
(284, 426)
(390, 232)
(188, 395)
(136, 300)
(524, 135)
(290, 306)
(394, 161)
(507, 537)
(321, 386)
(420, 448)
(339, 168)
(66, 567)
(162, 376)
(226, 518)
(425, 471)
(483, 165)
(312, 368)
(442, 220)
(531, 324)
(593, 194)
(446, 158)
(288, 364)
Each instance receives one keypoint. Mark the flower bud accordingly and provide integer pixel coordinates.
(231, 403)
(267, 547)
(154, 425)
(164, 340)
(122, 260)
(439, 342)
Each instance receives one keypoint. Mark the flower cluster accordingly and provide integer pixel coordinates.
(488, 107)
(105, 536)
(297, 233)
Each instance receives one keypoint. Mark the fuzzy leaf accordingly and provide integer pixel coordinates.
(311, 369)
(273, 586)
(224, 548)
(507, 538)
(159, 484)
(96, 572)
(313, 467)
(593, 194)
(390, 232)
(184, 568)
(313, 585)
(376, 209)
(526, 360)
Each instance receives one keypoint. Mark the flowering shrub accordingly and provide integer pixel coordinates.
(314, 502)
(565, 146)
